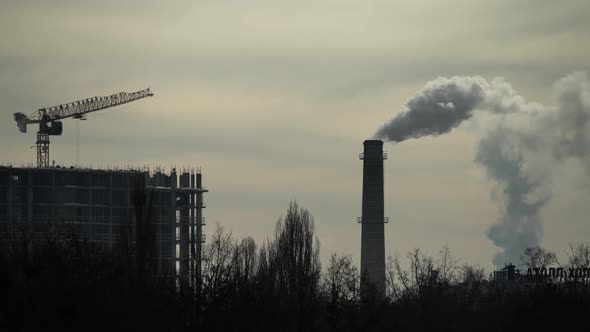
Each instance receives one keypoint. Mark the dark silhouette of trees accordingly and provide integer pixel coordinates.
(219, 266)
(280, 281)
(578, 255)
(424, 276)
(538, 258)
(68, 283)
(341, 280)
(296, 256)
(247, 260)
(341, 290)
(471, 284)
(290, 268)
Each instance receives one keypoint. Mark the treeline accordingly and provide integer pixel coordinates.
(278, 285)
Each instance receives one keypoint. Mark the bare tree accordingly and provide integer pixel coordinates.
(578, 255)
(341, 281)
(409, 284)
(538, 258)
(289, 265)
(295, 254)
(219, 264)
(246, 260)
(447, 267)
(471, 283)
(393, 287)
(424, 274)
(341, 289)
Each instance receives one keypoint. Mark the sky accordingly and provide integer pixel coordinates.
(273, 99)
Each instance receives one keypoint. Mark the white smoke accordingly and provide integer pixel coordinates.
(520, 151)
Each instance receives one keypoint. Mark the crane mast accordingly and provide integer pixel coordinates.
(48, 118)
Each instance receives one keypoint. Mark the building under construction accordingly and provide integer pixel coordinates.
(102, 206)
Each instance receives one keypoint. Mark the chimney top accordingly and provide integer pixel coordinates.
(373, 142)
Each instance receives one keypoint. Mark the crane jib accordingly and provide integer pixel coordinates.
(49, 126)
(78, 108)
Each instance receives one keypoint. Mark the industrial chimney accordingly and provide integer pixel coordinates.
(372, 221)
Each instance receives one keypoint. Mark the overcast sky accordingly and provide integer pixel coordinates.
(274, 98)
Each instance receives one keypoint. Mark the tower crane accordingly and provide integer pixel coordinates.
(48, 118)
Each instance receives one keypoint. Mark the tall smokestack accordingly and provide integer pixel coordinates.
(372, 233)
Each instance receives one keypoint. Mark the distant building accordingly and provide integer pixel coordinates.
(97, 205)
(508, 273)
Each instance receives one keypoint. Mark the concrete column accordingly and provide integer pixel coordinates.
(199, 235)
(184, 229)
(10, 198)
(192, 231)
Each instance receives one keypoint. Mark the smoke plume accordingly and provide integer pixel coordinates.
(445, 103)
(523, 145)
